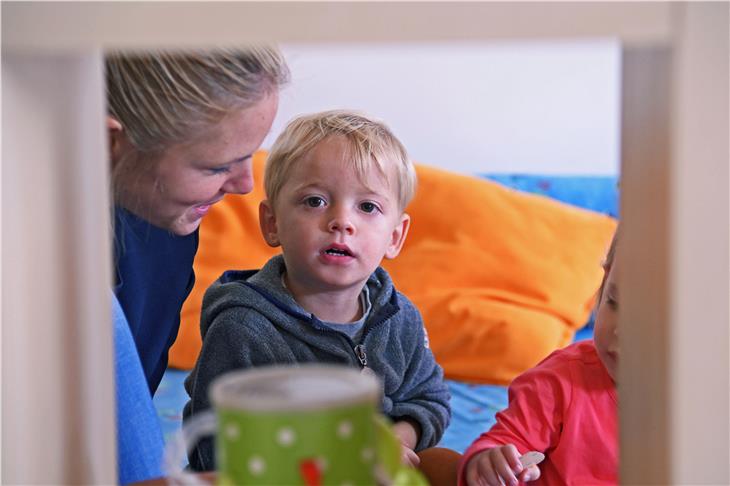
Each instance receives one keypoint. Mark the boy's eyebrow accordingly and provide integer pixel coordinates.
(306, 185)
(316, 184)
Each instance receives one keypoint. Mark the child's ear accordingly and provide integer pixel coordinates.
(398, 237)
(267, 220)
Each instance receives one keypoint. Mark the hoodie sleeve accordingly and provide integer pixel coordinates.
(237, 338)
(423, 396)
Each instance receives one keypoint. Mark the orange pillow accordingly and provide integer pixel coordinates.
(501, 277)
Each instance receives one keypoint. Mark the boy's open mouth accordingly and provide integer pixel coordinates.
(338, 250)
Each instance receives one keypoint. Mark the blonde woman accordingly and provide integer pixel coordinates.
(182, 131)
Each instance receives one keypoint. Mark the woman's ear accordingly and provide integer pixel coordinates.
(267, 220)
(116, 138)
(398, 237)
(113, 124)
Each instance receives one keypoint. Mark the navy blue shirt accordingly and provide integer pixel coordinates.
(154, 275)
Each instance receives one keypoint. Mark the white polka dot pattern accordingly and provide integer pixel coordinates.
(232, 431)
(367, 455)
(344, 429)
(256, 465)
(286, 437)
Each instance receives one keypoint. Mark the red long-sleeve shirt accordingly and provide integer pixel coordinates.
(565, 407)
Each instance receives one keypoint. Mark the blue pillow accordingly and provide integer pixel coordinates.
(597, 193)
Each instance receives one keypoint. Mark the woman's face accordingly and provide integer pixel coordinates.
(177, 188)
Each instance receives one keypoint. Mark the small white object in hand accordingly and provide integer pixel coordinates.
(531, 458)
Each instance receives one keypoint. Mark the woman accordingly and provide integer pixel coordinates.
(182, 131)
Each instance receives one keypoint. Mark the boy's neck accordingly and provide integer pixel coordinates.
(339, 306)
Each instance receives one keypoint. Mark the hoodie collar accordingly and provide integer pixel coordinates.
(380, 287)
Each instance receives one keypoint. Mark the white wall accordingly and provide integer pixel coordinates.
(526, 107)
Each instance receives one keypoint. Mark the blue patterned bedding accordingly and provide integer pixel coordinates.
(473, 406)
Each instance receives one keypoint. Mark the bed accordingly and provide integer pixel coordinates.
(478, 386)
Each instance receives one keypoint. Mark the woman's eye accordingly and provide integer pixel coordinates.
(314, 201)
(220, 170)
(368, 207)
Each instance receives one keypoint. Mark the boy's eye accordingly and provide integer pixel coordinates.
(314, 201)
(368, 207)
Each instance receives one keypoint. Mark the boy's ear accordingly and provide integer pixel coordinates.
(398, 237)
(267, 221)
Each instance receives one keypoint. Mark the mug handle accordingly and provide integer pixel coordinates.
(389, 470)
(196, 427)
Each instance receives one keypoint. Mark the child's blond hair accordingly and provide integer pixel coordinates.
(608, 263)
(370, 143)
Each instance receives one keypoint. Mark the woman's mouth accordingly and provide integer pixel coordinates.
(202, 209)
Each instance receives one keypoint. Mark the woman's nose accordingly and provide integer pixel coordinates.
(240, 180)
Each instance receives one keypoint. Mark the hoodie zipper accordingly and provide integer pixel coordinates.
(361, 355)
(359, 349)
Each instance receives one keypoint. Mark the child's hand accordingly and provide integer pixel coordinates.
(407, 433)
(498, 466)
(408, 457)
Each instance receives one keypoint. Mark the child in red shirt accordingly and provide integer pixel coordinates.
(565, 407)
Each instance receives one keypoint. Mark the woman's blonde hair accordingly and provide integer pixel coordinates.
(370, 144)
(164, 98)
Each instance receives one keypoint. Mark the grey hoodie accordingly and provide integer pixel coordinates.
(249, 319)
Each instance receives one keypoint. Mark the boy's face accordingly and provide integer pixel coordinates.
(334, 229)
(605, 333)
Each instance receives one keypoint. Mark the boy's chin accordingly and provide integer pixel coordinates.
(335, 284)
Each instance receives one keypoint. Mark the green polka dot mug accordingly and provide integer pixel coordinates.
(311, 425)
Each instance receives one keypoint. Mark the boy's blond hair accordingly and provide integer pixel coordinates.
(371, 144)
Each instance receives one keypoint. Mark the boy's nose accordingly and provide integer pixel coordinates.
(341, 223)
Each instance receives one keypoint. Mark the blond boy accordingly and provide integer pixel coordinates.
(337, 184)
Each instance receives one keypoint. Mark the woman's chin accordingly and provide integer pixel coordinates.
(185, 225)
